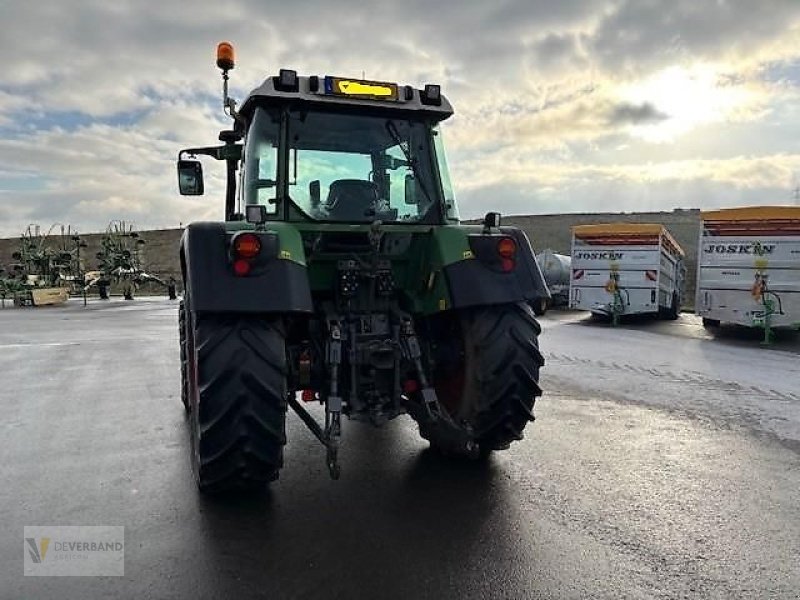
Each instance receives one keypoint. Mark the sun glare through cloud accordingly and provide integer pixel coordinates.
(687, 97)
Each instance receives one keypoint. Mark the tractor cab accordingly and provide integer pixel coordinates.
(332, 149)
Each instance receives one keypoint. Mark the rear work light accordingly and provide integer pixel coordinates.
(246, 245)
(507, 249)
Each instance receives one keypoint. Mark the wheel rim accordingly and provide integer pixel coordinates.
(450, 390)
(449, 377)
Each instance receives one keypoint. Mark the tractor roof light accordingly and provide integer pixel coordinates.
(287, 81)
(432, 94)
(225, 56)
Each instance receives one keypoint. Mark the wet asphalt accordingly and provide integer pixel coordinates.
(605, 498)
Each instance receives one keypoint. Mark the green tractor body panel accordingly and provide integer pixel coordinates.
(434, 269)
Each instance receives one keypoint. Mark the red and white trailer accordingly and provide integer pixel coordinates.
(626, 268)
(748, 266)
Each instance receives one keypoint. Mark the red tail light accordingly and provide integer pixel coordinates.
(241, 267)
(507, 248)
(577, 274)
(246, 245)
(651, 275)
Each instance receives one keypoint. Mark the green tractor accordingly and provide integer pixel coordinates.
(342, 276)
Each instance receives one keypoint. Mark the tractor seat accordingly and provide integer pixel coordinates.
(352, 200)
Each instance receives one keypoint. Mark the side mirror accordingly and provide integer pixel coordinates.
(313, 192)
(491, 221)
(190, 177)
(411, 190)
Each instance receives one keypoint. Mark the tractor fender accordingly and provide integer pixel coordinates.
(479, 280)
(278, 284)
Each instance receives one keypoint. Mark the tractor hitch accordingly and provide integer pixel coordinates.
(328, 436)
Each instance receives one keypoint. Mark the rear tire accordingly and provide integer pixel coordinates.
(710, 323)
(184, 356)
(493, 384)
(238, 393)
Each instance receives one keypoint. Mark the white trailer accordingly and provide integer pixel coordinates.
(625, 269)
(748, 267)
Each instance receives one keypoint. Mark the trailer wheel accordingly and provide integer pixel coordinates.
(540, 306)
(674, 309)
(238, 398)
(710, 323)
(487, 374)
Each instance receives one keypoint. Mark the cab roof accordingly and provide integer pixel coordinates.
(405, 99)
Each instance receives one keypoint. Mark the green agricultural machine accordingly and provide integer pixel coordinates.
(121, 264)
(47, 267)
(341, 275)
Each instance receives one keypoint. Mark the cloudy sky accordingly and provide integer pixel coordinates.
(575, 105)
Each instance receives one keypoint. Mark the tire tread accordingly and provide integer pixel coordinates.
(241, 402)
